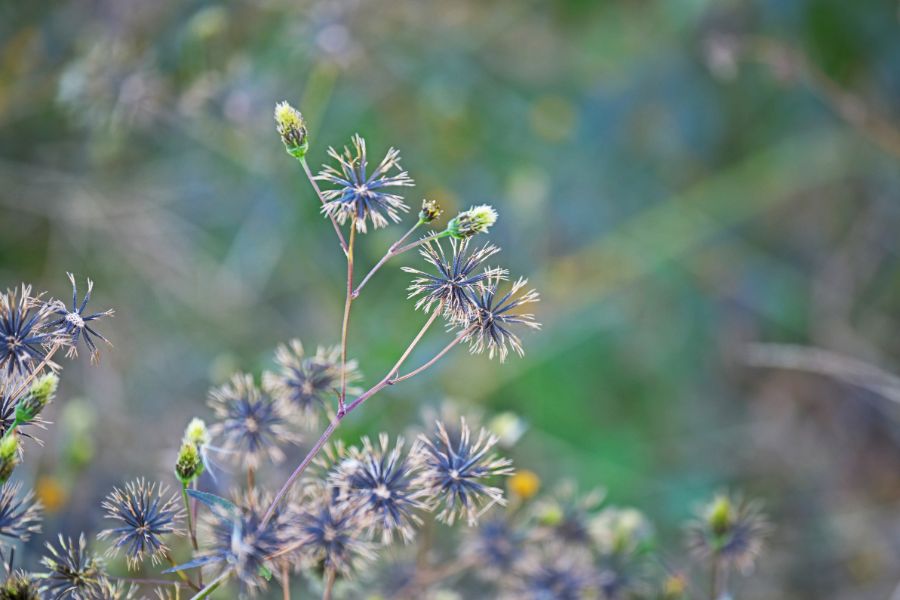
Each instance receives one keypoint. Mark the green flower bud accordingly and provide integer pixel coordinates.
(430, 211)
(291, 127)
(9, 456)
(189, 465)
(720, 515)
(39, 396)
(477, 219)
(197, 433)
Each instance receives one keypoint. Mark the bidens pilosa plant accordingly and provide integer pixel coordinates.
(355, 521)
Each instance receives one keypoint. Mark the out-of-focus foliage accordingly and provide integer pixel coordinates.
(683, 178)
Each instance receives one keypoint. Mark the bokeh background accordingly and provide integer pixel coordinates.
(705, 192)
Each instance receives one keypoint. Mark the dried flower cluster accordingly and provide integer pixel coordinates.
(348, 517)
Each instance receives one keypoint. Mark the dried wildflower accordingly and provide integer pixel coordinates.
(452, 286)
(73, 572)
(19, 517)
(495, 546)
(38, 396)
(456, 472)
(291, 127)
(477, 219)
(378, 480)
(430, 211)
(489, 322)
(242, 542)
(332, 536)
(19, 586)
(551, 571)
(73, 324)
(146, 516)
(304, 384)
(23, 333)
(250, 423)
(729, 529)
(361, 196)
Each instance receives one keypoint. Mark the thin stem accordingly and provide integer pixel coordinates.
(37, 370)
(323, 439)
(437, 357)
(144, 581)
(181, 574)
(391, 252)
(312, 181)
(209, 589)
(345, 327)
(417, 243)
(285, 580)
(714, 577)
(251, 478)
(190, 518)
(330, 576)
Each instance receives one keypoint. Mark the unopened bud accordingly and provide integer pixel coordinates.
(291, 127)
(197, 433)
(189, 465)
(720, 515)
(9, 456)
(477, 219)
(430, 211)
(38, 396)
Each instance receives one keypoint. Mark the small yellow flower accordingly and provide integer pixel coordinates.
(51, 492)
(524, 484)
(674, 587)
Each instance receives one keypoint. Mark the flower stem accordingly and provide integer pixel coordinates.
(190, 519)
(210, 588)
(312, 181)
(286, 580)
(330, 576)
(181, 574)
(437, 357)
(37, 370)
(392, 252)
(346, 324)
(326, 435)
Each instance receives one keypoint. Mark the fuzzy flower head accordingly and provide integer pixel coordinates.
(477, 219)
(495, 546)
(491, 323)
(360, 195)
(73, 573)
(332, 536)
(452, 282)
(729, 529)
(23, 331)
(76, 325)
(291, 127)
(145, 515)
(567, 515)
(378, 480)
(456, 472)
(250, 423)
(304, 385)
(20, 516)
(241, 541)
(551, 571)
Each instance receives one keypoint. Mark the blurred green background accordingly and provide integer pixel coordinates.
(679, 178)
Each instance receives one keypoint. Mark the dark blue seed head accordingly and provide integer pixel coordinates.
(77, 325)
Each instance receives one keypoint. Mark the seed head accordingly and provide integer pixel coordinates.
(729, 529)
(73, 573)
(74, 325)
(145, 515)
(19, 586)
(19, 516)
(333, 535)
(490, 324)
(23, 331)
(456, 472)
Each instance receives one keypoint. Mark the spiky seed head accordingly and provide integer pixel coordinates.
(145, 515)
(731, 529)
(477, 219)
(39, 396)
(189, 465)
(430, 211)
(73, 572)
(197, 433)
(20, 516)
(291, 127)
(9, 456)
